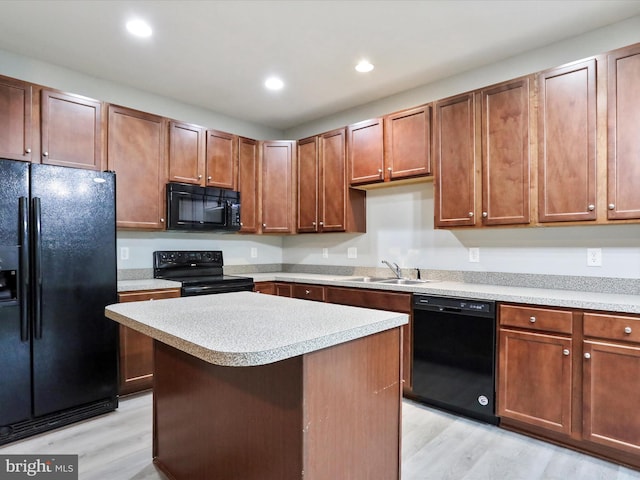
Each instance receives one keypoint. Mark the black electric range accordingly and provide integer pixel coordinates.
(200, 272)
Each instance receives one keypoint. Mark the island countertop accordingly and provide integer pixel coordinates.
(246, 329)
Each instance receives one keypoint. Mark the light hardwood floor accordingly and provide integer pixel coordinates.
(436, 446)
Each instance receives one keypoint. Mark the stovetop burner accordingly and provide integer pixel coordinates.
(200, 272)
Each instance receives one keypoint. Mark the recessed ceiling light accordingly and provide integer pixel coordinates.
(139, 28)
(274, 83)
(364, 66)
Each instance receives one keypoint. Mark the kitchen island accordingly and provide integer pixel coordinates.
(250, 386)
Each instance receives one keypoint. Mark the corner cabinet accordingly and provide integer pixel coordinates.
(326, 203)
(136, 349)
(15, 119)
(278, 186)
(137, 153)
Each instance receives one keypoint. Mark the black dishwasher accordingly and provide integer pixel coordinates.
(454, 345)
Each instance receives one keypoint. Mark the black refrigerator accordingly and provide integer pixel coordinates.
(58, 352)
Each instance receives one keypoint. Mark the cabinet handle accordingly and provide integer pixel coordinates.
(627, 330)
(612, 206)
(28, 150)
(532, 319)
(485, 214)
(587, 355)
(565, 352)
(470, 214)
(307, 292)
(45, 154)
(591, 208)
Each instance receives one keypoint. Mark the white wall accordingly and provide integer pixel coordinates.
(400, 229)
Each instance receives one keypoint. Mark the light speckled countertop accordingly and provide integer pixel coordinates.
(146, 284)
(246, 328)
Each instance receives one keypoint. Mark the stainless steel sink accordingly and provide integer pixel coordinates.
(370, 279)
(405, 281)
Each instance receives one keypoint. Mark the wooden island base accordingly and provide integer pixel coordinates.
(329, 414)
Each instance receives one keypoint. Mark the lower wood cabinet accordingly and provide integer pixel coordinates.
(136, 349)
(571, 377)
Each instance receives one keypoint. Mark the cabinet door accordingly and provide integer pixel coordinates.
(71, 130)
(136, 349)
(535, 379)
(505, 154)
(567, 143)
(308, 181)
(186, 153)
(366, 152)
(283, 289)
(278, 209)
(268, 288)
(222, 159)
(407, 143)
(623, 106)
(136, 146)
(333, 181)
(455, 161)
(15, 119)
(248, 174)
(612, 395)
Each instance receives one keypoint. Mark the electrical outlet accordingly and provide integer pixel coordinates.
(325, 253)
(124, 253)
(594, 257)
(352, 252)
(254, 252)
(474, 255)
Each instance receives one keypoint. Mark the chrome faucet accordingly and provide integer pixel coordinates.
(394, 268)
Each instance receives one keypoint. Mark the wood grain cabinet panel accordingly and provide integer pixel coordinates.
(505, 154)
(71, 130)
(137, 153)
(455, 161)
(308, 185)
(309, 292)
(15, 119)
(623, 106)
(407, 143)
(248, 185)
(278, 204)
(366, 152)
(136, 349)
(222, 160)
(567, 143)
(186, 153)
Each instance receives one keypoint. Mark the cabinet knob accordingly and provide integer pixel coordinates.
(264, 225)
(27, 150)
(162, 220)
(209, 178)
(627, 330)
(587, 355)
(321, 223)
(313, 223)
(565, 352)
(45, 154)
(389, 169)
(485, 214)
(532, 319)
(307, 292)
(591, 208)
(199, 177)
(380, 171)
(470, 214)
(611, 206)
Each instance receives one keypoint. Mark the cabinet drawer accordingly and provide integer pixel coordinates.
(612, 327)
(141, 295)
(536, 318)
(376, 299)
(309, 292)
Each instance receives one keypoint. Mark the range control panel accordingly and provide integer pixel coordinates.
(186, 259)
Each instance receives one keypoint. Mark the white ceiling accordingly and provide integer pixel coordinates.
(217, 54)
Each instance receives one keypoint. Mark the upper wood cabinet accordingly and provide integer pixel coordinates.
(505, 153)
(455, 155)
(15, 119)
(623, 161)
(71, 130)
(186, 153)
(137, 153)
(407, 143)
(567, 143)
(278, 186)
(222, 160)
(248, 185)
(366, 152)
(326, 203)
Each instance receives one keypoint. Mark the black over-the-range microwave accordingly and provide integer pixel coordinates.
(191, 207)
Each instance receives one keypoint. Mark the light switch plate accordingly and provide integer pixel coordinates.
(325, 253)
(254, 252)
(474, 255)
(124, 253)
(352, 252)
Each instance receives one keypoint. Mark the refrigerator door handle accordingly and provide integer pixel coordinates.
(37, 270)
(23, 292)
